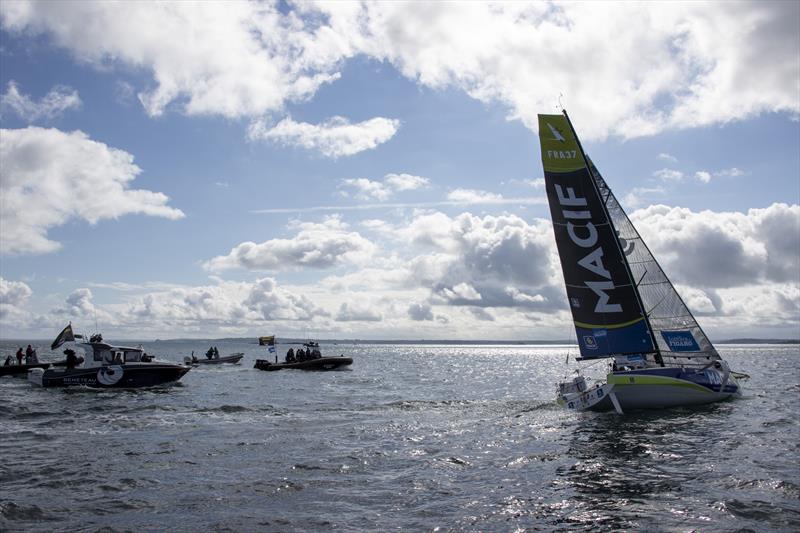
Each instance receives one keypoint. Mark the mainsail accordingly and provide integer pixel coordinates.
(621, 301)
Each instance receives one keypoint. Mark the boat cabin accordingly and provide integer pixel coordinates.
(105, 354)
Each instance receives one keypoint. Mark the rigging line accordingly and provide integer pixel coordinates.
(640, 279)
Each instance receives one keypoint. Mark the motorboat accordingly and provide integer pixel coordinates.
(322, 363)
(106, 366)
(233, 358)
(20, 370)
(308, 357)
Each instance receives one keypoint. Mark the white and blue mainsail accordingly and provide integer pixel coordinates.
(621, 301)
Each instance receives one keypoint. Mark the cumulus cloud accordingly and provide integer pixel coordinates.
(316, 245)
(638, 195)
(472, 196)
(13, 295)
(382, 190)
(681, 65)
(53, 104)
(703, 176)
(728, 249)
(419, 312)
(335, 138)
(668, 174)
(231, 59)
(667, 157)
(357, 312)
(50, 177)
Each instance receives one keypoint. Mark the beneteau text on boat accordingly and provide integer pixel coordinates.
(622, 303)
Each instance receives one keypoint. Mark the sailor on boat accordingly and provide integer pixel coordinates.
(19, 356)
(290, 356)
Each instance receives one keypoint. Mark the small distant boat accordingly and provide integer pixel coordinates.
(106, 366)
(624, 307)
(322, 363)
(233, 358)
(266, 341)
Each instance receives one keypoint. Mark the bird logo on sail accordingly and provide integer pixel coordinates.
(556, 134)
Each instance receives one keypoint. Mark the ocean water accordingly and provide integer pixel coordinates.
(411, 438)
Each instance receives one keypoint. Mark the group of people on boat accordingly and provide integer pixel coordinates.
(30, 357)
(212, 353)
(311, 352)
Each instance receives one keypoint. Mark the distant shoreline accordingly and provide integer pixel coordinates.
(422, 342)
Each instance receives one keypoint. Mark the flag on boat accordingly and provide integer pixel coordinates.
(66, 335)
(269, 342)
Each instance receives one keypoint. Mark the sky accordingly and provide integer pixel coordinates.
(372, 170)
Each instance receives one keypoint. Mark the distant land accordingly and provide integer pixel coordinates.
(289, 340)
(281, 340)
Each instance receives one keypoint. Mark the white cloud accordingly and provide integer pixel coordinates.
(357, 312)
(233, 59)
(667, 157)
(681, 65)
(50, 177)
(537, 183)
(335, 138)
(703, 176)
(668, 174)
(324, 245)
(472, 196)
(727, 249)
(13, 295)
(54, 103)
(382, 190)
(638, 195)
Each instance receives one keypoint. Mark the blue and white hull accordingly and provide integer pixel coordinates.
(654, 388)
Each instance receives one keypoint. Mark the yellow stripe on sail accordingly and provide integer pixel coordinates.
(607, 326)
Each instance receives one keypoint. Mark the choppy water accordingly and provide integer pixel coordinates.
(461, 438)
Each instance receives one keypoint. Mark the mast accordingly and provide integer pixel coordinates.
(657, 352)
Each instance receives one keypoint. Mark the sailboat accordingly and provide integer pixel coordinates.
(624, 307)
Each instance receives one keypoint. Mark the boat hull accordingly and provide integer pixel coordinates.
(131, 375)
(20, 370)
(323, 363)
(656, 389)
(232, 359)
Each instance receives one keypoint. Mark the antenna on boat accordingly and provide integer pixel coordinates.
(560, 96)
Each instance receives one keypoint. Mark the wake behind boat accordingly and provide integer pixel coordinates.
(623, 305)
(106, 366)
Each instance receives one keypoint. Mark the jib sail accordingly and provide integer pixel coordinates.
(608, 314)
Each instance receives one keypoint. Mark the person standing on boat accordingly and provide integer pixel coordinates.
(290, 356)
(72, 360)
(210, 353)
(19, 356)
(28, 354)
(216, 353)
(8, 361)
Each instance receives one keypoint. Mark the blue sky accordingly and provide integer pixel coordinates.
(373, 170)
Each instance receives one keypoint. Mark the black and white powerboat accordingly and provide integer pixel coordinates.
(106, 366)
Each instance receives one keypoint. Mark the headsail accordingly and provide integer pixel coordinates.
(608, 314)
(675, 329)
